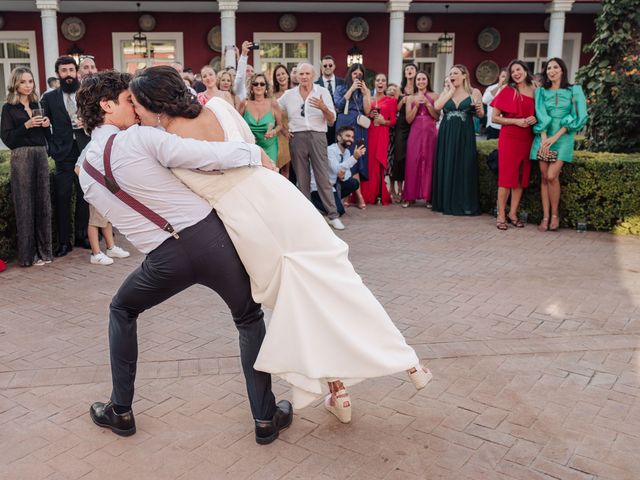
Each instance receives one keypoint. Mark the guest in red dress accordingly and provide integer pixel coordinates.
(513, 108)
(383, 116)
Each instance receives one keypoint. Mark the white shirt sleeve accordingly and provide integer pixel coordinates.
(487, 97)
(241, 78)
(173, 151)
(347, 164)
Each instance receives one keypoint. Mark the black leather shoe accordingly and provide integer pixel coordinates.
(63, 250)
(83, 243)
(105, 416)
(268, 430)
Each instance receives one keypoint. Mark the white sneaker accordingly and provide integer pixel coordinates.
(336, 223)
(117, 252)
(101, 259)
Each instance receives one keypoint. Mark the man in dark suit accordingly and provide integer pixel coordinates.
(68, 140)
(329, 81)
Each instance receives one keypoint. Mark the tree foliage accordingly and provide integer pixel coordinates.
(611, 80)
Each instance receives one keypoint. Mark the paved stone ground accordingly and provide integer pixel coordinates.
(533, 339)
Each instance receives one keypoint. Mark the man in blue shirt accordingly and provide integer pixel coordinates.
(340, 163)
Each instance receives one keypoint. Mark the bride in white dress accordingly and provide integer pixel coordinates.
(327, 330)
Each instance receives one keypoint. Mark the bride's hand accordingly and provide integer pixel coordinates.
(266, 161)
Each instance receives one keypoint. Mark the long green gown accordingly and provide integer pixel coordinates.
(259, 128)
(565, 107)
(455, 173)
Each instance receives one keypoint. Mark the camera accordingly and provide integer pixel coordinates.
(254, 46)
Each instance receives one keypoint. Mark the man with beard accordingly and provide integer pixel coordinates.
(67, 142)
(86, 67)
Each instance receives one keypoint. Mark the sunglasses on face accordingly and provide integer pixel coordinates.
(259, 84)
(327, 65)
(302, 110)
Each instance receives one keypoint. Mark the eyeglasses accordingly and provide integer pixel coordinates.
(302, 110)
(327, 65)
(259, 84)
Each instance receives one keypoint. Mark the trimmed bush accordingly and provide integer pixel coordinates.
(601, 188)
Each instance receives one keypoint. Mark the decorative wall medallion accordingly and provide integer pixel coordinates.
(73, 29)
(489, 39)
(357, 29)
(288, 22)
(424, 23)
(487, 72)
(215, 64)
(214, 39)
(147, 22)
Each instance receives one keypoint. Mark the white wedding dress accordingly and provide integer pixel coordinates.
(326, 324)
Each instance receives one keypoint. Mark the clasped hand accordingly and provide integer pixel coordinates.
(34, 122)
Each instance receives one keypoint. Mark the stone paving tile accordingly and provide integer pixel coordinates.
(533, 340)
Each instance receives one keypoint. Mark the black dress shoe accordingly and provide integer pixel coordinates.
(268, 430)
(83, 243)
(63, 250)
(104, 415)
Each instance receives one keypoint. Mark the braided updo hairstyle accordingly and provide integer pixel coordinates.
(161, 90)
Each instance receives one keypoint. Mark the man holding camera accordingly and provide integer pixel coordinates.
(310, 110)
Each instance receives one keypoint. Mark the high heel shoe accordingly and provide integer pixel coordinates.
(555, 223)
(544, 225)
(420, 376)
(338, 402)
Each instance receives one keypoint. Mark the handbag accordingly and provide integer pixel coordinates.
(550, 157)
(363, 121)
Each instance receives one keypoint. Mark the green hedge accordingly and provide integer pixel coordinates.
(603, 188)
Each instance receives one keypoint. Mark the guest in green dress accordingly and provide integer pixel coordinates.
(455, 189)
(263, 115)
(561, 111)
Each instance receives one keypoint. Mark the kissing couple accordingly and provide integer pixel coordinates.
(228, 221)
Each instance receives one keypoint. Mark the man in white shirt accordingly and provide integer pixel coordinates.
(493, 129)
(199, 252)
(310, 109)
(340, 163)
(243, 72)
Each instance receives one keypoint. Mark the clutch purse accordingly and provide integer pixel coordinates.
(551, 156)
(363, 121)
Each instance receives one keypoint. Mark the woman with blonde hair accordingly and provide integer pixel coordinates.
(25, 130)
(225, 84)
(455, 188)
(263, 115)
(210, 80)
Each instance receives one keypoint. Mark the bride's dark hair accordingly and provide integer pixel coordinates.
(161, 90)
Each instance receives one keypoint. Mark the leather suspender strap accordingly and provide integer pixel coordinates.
(109, 182)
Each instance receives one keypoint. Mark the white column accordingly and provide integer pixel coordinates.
(228, 29)
(557, 9)
(48, 9)
(396, 9)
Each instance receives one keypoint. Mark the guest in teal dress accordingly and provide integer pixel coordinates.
(561, 111)
(456, 184)
(263, 115)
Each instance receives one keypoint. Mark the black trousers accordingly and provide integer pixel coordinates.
(492, 133)
(202, 255)
(32, 203)
(343, 189)
(66, 182)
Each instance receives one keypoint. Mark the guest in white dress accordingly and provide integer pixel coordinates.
(327, 330)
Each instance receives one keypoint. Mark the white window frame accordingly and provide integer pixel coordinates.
(117, 37)
(439, 72)
(29, 36)
(544, 36)
(314, 37)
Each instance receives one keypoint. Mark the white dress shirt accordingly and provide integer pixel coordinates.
(240, 83)
(337, 161)
(313, 119)
(487, 98)
(140, 161)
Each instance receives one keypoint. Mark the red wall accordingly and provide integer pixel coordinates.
(97, 40)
